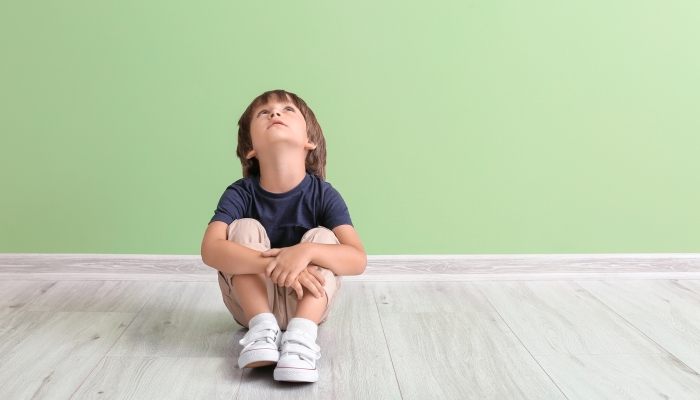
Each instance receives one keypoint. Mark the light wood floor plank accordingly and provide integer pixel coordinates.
(164, 378)
(182, 319)
(354, 363)
(15, 295)
(435, 297)
(622, 376)
(666, 311)
(462, 356)
(105, 296)
(46, 355)
(692, 285)
(563, 318)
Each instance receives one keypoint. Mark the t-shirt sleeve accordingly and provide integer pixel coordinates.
(335, 211)
(232, 205)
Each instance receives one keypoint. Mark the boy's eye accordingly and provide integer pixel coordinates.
(290, 108)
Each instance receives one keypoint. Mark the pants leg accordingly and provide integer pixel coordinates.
(333, 282)
(283, 300)
(250, 233)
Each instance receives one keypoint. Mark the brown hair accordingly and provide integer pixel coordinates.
(315, 159)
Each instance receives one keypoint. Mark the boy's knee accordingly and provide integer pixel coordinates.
(320, 234)
(245, 223)
(250, 233)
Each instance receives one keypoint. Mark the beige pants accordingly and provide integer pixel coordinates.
(250, 233)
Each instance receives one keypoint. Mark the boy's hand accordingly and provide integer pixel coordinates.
(288, 263)
(313, 280)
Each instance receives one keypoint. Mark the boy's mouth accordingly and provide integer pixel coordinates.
(276, 123)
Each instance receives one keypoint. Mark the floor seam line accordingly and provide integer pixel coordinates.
(386, 342)
(521, 342)
(635, 327)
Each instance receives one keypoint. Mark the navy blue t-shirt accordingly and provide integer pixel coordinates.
(285, 216)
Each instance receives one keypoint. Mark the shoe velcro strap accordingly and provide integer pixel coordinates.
(301, 338)
(259, 331)
(293, 348)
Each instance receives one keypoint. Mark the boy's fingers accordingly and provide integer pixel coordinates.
(271, 253)
(323, 278)
(280, 278)
(287, 280)
(299, 290)
(317, 286)
(276, 276)
(312, 287)
(318, 281)
(321, 289)
(319, 276)
(269, 268)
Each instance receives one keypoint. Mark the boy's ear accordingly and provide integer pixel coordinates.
(310, 145)
(251, 154)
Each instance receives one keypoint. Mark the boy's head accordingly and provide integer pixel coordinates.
(261, 108)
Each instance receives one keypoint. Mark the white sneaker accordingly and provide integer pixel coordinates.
(261, 345)
(298, 357)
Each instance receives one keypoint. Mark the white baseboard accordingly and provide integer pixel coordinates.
(396, 268)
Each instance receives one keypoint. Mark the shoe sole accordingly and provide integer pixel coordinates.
(258, 358)
(296, 375)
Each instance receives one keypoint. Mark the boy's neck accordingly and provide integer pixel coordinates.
(280, 178)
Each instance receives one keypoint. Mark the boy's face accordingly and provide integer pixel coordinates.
(278, 123)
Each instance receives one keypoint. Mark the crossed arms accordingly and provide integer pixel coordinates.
(346, 258)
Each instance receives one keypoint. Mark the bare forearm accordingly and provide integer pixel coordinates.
(233, 258)
(342, 259)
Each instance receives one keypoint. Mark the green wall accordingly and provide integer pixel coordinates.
(452, 127)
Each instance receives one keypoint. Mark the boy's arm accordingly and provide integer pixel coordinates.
(346, 258)
(230, 257)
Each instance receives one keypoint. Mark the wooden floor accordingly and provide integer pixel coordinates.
(519, 339)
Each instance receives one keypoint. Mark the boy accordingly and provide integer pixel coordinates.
(281, 237)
